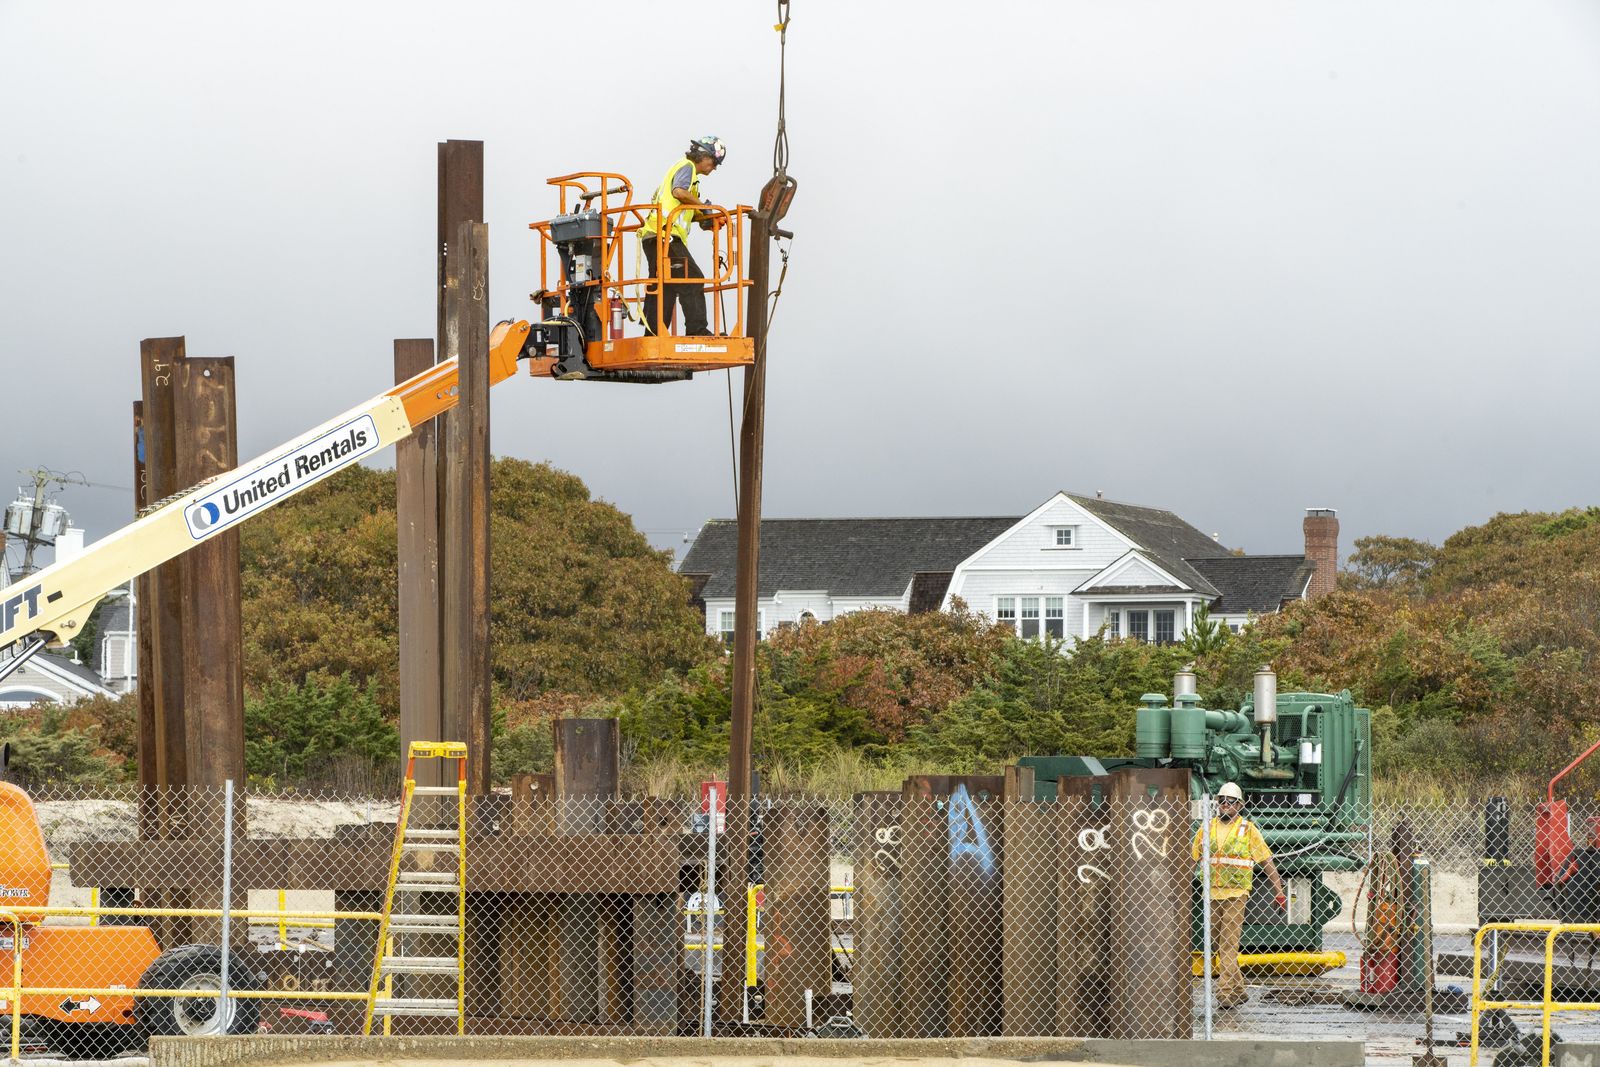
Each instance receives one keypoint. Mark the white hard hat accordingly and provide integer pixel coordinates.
(1231, 791)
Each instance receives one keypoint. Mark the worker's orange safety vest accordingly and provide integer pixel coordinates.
(1231, 862)
(667, 202)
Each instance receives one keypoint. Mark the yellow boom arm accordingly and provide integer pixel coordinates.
(53, 604)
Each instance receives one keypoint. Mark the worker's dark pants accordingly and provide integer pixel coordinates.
(692, 296)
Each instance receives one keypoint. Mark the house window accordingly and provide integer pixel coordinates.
(1005, 612)
(725, 626)
(1066, 537)
(1164, 627)
(1055, 617)
(1139, 625)
(1114, 623)
(1030, 617)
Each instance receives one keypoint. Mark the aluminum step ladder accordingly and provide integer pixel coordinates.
(417, 849)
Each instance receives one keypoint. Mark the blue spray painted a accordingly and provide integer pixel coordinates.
(967, 834)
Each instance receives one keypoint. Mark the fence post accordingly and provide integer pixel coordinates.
(708, 911)
(223, 1021)
(1205, 909)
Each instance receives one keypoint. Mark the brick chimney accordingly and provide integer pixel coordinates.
(1322, 548)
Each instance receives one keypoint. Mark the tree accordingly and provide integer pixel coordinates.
(1382, 562)
(47, 748)
(295, 733)
(579, 603)
(1206, 635)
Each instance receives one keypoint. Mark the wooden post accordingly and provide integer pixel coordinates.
(416, 463)
(465, 510)
(162, 671)
(213, 685)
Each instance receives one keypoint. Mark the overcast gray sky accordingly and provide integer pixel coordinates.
(1229, 258)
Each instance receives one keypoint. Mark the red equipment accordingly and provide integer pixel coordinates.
(1552, 832)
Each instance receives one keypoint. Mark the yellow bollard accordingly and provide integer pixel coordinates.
(750, 951)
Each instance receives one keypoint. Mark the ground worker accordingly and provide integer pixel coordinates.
(1236, 847)
(679, 188)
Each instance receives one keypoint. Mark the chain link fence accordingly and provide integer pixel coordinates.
(947, 909)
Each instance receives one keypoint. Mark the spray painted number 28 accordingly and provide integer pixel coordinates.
(1147, 823)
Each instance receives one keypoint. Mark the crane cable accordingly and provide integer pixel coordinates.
(780, 150)
(780, 168)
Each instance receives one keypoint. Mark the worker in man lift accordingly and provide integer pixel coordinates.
(1236, 847)
(680, 188)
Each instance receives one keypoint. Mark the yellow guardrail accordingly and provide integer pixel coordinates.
(1548, 1006)
(284, 925)
(18, 990)
(94, 891)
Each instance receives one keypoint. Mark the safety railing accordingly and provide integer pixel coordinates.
(284, 925)
(21, 920)
(1548, 1005)
(630, 219)
(967, 912)
(94, 891)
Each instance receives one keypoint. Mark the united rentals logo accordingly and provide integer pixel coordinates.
(282, 477)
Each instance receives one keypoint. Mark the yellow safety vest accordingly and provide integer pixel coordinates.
(1231, 862)
(667, 202)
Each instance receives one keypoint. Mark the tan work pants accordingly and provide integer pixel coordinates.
(1227, 926)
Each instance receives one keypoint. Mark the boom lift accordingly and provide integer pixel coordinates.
(593, 292)
(582, 335)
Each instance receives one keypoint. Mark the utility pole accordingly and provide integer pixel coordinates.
(38, 522)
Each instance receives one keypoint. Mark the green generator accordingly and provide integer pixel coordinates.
(1304, 761)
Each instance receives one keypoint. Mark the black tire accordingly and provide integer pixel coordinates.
(199, 966)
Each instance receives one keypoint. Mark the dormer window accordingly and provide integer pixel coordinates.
(1064, 537)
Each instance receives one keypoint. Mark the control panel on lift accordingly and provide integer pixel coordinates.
(594, 279)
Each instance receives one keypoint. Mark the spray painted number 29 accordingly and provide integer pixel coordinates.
(1146, 824)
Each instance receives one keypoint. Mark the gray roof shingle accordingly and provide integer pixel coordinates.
(1258, 584)
(847, 557)
(77, 670)
(1164, 537)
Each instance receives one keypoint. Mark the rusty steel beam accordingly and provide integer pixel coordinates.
(563, 864)
(416, 464)
(162, 671)
(213, 643)
(875, 973)
(460, 191)
(464, 513)
(144, 601)
(1150, 912)
(1084, 1002)
(752, 445)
